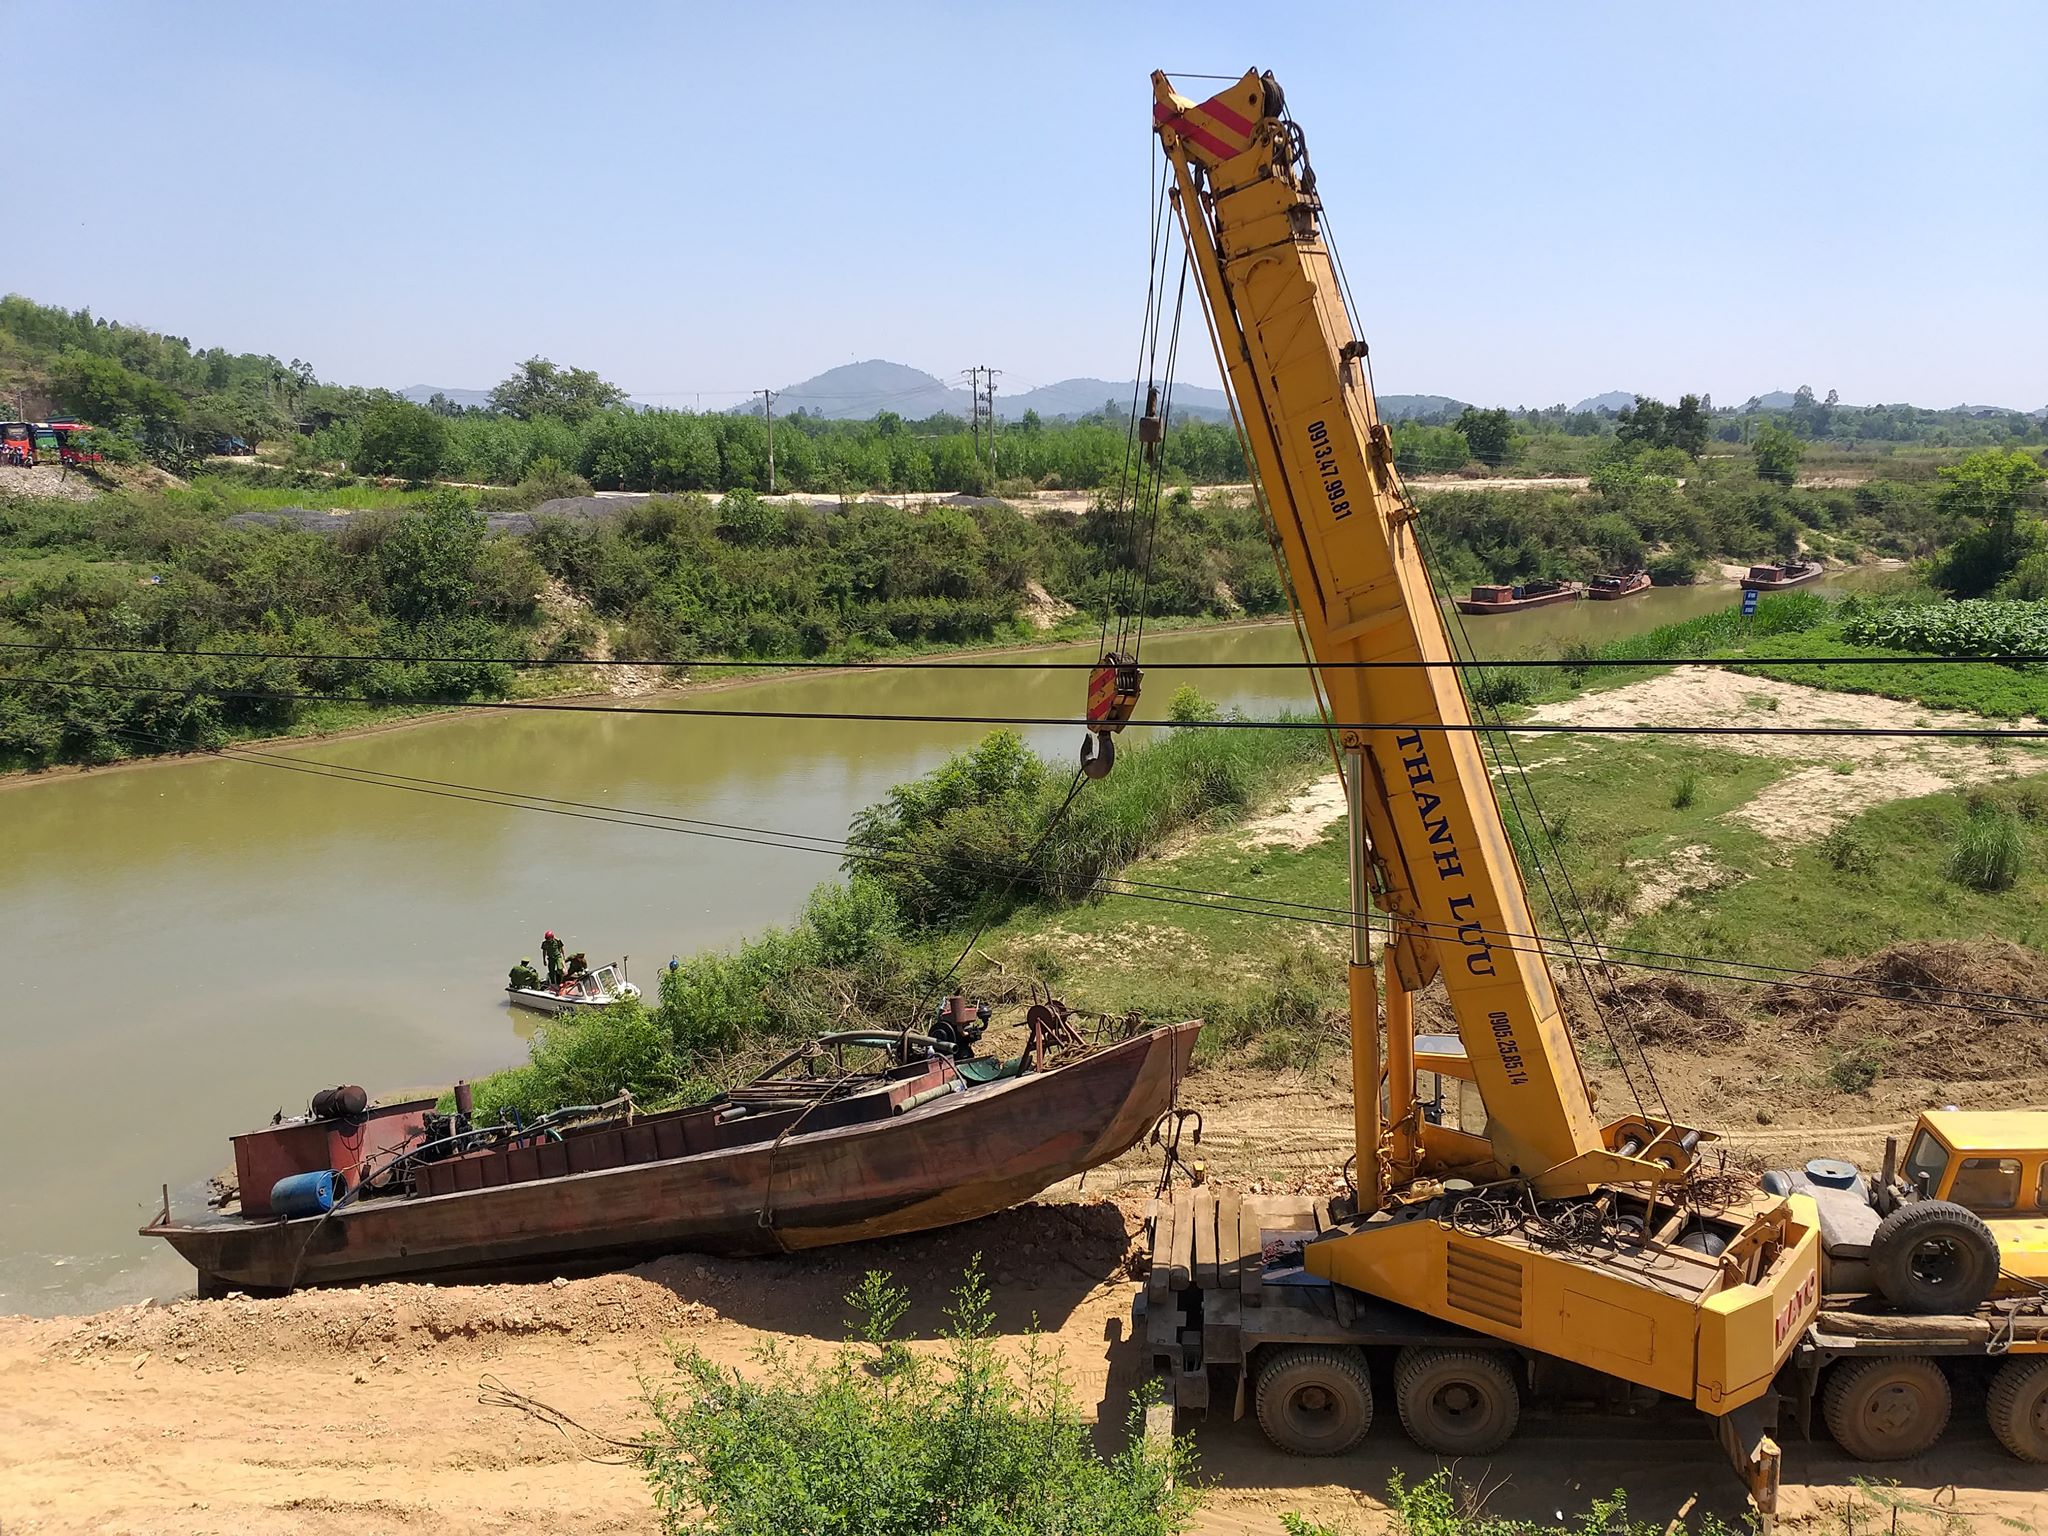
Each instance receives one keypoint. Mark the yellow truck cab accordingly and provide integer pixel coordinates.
(1993, 1162)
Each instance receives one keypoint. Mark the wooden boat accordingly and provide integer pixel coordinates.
(1608, 588)
(1528, 594)
(1776, 578)
(793, 1160)
(585, 990)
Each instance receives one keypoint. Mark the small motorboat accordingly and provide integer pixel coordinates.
(1776, 578)
(1625, 585)
(1527, 594)
(582, 990)
(855, 1135)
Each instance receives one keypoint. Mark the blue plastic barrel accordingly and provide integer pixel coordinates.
(306, 1194)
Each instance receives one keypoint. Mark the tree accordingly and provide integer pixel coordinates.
(1993, 487)
(1650, 423)
(539, 388)
(428, 558)
(1644, 424)
(1777, 453)
(1688, 424)
(400, 438)
(1489, 434)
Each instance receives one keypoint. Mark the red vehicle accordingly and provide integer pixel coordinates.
(18, 444)
(71, 450)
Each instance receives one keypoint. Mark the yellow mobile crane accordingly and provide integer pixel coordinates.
(1544, 1247)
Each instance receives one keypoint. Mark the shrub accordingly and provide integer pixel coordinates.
(1990, 850)
(1492, 687)
(880, 1439)
(1190, 705)
(1848, 852)
(586, 1060)
(1855, 1069)
(1685, 792)
(1673, 569)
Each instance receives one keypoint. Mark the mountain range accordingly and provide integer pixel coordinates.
(857, 391)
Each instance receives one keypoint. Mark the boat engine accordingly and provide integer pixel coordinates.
(960, 1024)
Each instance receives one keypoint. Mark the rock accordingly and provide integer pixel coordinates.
(559, 1283)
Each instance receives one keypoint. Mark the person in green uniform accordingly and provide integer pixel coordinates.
(551, 955)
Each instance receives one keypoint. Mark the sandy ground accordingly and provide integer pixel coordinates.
(1841, 776)
(372, 1411)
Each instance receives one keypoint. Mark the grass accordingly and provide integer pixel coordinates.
(1985, 688)
(1882, 878)
(1990, 849)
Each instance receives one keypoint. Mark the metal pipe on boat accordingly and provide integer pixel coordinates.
(927, 1096)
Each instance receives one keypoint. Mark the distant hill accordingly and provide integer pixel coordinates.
(1613, 400)
(420, 394)
(857, 391)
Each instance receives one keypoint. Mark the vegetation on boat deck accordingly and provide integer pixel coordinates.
(949, 1442)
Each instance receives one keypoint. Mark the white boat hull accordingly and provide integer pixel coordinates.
(550, 1002)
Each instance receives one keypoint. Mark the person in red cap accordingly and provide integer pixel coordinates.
(551, 956)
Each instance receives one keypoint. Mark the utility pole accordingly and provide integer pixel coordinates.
(991, 372)
(768, 410)
(974, 409)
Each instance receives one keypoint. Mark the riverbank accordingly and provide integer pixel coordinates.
(1539, 632)
(390, 1410)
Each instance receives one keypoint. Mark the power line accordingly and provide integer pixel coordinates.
(999, 664)
(1163, 893)
(565, 706)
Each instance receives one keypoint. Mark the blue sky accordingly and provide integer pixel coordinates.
(1535, 203)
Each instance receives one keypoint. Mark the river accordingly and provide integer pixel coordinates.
(198, 944)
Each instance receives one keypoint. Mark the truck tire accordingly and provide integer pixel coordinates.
(1933, 1256)
(2019, 1408)
(1314, 1401)
(1457, 1402)
(1886, 1410)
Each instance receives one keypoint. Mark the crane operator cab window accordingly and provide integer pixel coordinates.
(1987, 1184)
(1444, 1086)
(1926, 1162)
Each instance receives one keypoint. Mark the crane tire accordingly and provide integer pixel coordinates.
(1457, 1402)
(2019, 1408)
(1886, 1410)
(1314, 1401)
(1934, 1256)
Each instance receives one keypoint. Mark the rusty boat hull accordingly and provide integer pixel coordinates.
(962, 1156)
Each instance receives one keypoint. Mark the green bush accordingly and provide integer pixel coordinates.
(960, 841)
(1685, 792)
(586, 1059)
(1848, 851)
(881, 1440)
(1990, 849)
(1493, 687)
(1976, 627)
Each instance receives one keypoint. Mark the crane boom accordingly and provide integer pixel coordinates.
(1597, 1244)
(1440, 857)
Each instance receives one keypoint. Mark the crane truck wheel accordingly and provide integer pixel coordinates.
(2019, 1408)
(1933, 1256)
(1886, 1410)
(1314, 1401)
(1456, 1402)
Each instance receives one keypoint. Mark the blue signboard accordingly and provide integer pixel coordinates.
(1749, 602)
